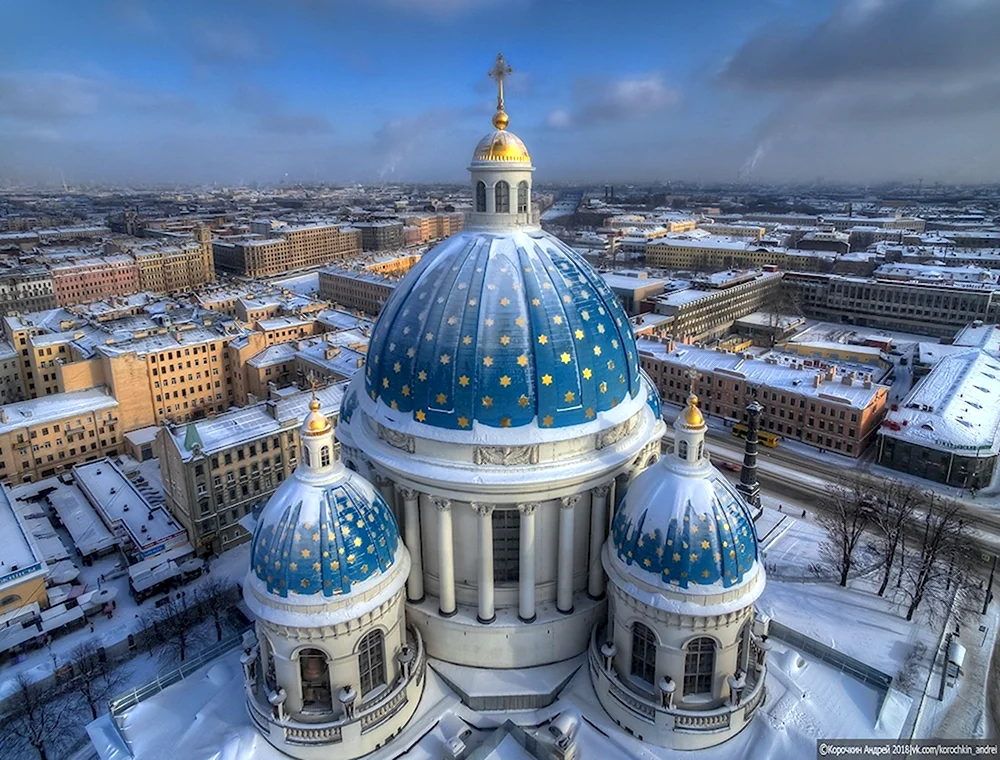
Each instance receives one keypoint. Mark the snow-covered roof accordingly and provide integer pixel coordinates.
(119, 502)
(252, 422)
(787, 375)
(341, 360)
(18, 555)
(986, 337)
(52, 408)
(272, 355)
(955, 408)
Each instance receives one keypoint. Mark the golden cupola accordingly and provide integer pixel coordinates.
(501, 145)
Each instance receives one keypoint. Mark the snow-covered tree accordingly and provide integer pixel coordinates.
(846, 516)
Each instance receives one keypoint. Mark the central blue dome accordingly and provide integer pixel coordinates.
(502, 329)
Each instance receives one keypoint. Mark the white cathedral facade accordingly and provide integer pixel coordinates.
(496, 498)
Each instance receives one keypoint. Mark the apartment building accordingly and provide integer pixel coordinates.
(11, 385)
(94, 279)
(431, 227)
(173, 267)
(26, 288)
(170, 376)
(365, 291)
(816, 405)
(382, 235)
(215, 471)
(710, 252)
(44, 437)
(713, 303)
(288, 248)
(932, 308)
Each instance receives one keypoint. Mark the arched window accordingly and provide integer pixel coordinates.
(701, 450)
(682, 449)
(522, 197)
(480, 196)
(350, 465)
(9, 599)
(371, 661)
(699, 666)
(324, 456)
(305, 455)
(502, 197)
(315, 677)
(643, 653)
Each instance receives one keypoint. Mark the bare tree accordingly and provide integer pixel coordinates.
(943, 556)
(170, 627)
(36, 720)
(893, 506)
(847, 514)
(780, 302)
(216, 598)
(95, 679)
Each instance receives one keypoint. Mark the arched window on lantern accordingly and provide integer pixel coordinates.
(324, 456)
(643, 654)
(305, 456)
(502, 197)
(480, 196)
(522, 197)
(371, 661)
(699, 666)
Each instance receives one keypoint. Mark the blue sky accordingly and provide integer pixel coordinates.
(603, 90)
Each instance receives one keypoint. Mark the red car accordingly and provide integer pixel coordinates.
(731, 466)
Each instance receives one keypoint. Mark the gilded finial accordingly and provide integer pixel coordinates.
(692, 415)
(314, 404)
(500, 71)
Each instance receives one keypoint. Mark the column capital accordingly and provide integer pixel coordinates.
(602, 490)
(408, 494)
(441, 503)
(527, 508)
(383, 480)
(568, 502)
(483, 510)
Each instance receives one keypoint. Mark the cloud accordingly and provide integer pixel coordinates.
(605, 100)
(877, 81)
(889, 41)
(52, 97)
(398, 139)
(224, 44)
(48, 95)
(272, 115)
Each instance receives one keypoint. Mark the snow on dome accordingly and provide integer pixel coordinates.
(505, 330)
(684, 527)
(312, 540)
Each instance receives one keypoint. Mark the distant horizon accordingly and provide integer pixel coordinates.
(130, 92)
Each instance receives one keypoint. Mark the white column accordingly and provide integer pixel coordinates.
(414, 545)
(598, 528)
(388, 492)
(487, 613)
(446, 558)
(564, 578)
(526, 564)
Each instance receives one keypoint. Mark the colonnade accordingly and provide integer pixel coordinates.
(486, 612)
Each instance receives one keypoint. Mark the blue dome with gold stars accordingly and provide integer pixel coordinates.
(505, 330)
(684, 527)
(323, 539)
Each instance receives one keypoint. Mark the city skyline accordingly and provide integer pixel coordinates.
(128, 92)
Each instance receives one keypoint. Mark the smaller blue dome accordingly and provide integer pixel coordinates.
(652, 395)
(323, 539)
(684, 529)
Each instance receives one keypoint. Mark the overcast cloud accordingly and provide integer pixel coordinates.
(855, 90)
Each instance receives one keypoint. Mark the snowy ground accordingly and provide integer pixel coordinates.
(204, 718)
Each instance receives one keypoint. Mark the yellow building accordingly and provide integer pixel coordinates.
(43, 437)
(22, 568)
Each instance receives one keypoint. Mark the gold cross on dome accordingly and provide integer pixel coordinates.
(500, 71)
